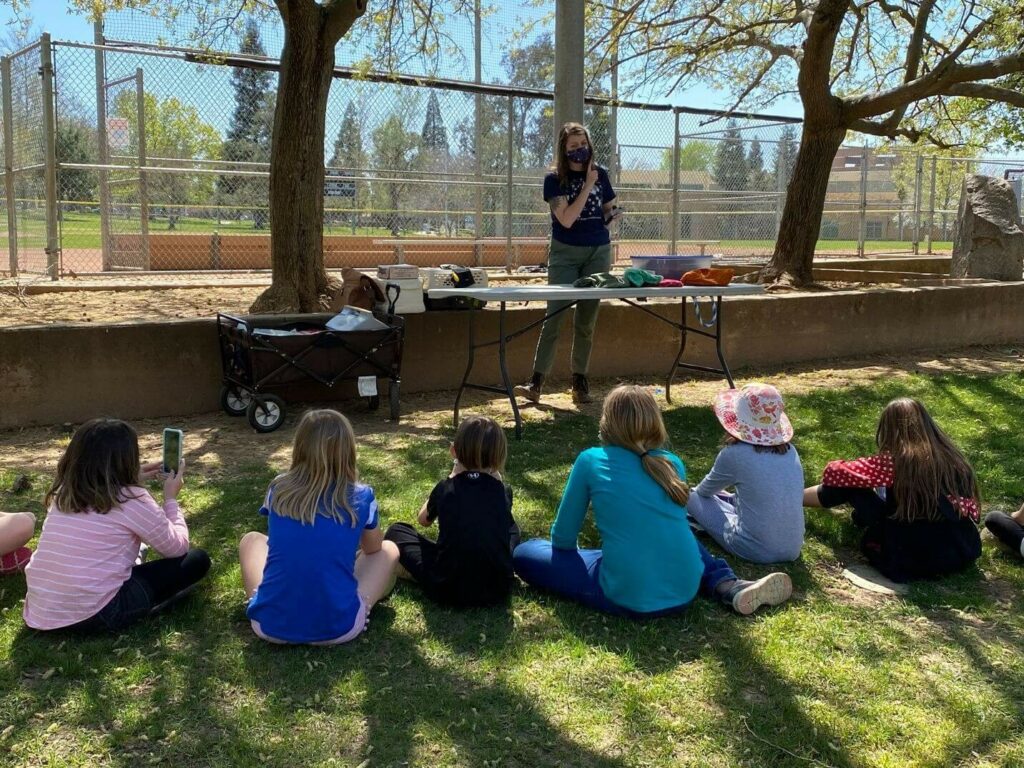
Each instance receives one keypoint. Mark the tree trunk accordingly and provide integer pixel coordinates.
(793, 259)
(299, 282)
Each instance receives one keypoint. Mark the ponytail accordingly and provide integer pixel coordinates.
(664, 474)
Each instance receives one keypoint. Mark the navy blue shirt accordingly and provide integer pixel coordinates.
(589, 229)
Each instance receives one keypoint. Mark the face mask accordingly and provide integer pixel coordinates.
(579, 155)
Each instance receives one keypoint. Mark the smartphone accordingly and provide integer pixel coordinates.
(613, 214)
(172, 449)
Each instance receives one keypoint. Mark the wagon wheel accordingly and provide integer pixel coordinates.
(266, 413)
(234, 401)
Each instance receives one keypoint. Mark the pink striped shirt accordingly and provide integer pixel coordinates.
(83, 558)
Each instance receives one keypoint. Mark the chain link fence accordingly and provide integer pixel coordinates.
(160, 162)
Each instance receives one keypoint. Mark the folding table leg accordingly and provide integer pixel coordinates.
(469, 364)
(718, 342)
(682, 349)
(502, 345)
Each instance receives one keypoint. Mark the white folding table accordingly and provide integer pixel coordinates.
(710, 319)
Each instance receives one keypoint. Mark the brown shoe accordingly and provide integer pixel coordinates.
(532, 390)
(581, 390)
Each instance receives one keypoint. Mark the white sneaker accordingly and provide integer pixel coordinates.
(747, 596)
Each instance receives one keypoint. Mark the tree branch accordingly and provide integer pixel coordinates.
(909, 132)
(913, 59)
(934, 83)
(341, 15)
(986, 91)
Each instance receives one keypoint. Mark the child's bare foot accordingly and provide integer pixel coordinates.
(1018, 516)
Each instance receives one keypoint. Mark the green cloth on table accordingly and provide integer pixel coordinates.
(600, 280)
(640, 277)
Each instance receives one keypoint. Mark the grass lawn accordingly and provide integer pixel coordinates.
(837, 677)
(82, 230)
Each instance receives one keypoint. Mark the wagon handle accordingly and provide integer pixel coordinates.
(392, 300)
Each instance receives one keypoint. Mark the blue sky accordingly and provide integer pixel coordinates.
(53, 16)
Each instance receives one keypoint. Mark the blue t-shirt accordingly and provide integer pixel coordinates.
(589, 229)
(308, 592)
(650, 558)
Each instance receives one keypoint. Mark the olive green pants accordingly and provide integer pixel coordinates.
(566, 265)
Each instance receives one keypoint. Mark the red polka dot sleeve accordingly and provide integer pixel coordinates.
(865, 472)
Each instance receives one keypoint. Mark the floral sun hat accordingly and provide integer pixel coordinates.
(754, 414)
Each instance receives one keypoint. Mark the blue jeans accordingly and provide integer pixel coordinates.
(575, 574)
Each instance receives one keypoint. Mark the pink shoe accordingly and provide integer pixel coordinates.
(15, 562)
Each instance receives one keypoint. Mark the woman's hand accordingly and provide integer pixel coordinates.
(591, 178)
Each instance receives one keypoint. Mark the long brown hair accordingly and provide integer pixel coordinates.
(480, 444)
(101, 462)
(323, 470)
(561, 165)
(926, 464)
(631, 419)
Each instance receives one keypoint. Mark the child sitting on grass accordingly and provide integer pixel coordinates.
(471, 561)
(649, 563)
(916, 499)
(16, 528)
(84, 574)
(323, 563)
(1009, 529)
(763, 521)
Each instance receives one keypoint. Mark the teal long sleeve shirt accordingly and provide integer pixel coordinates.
(650, 558)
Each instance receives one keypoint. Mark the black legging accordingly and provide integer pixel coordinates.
(1007, 530)
(907, 550)
(152, 587)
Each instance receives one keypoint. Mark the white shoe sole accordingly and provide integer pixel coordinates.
(773, 589)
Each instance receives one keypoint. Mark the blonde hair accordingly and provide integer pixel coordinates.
(631, 419)
(926, 463)
(480, 444)
(323, 470)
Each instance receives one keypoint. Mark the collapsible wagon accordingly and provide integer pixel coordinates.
(264, 357)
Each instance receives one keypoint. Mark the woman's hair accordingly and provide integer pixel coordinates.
(631, 419)
(323, 470)
(480, 444)
(780, 449)
(101, 462)
(926, 464)
(561, 166)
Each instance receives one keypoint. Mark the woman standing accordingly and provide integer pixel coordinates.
(580, 195)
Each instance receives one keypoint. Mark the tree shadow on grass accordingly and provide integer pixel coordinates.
(417, 702)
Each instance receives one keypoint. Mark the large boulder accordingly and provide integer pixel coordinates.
(988, 240)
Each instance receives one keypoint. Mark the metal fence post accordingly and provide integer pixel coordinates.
(931, 204)
(12, 213)
(102, 150)
(478, 112)
(781, 172)
(918, 177)
(508, 224)
(50, 149)
(140, 106)
(862, 226)
(674, 202)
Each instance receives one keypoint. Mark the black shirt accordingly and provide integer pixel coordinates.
(475, 538)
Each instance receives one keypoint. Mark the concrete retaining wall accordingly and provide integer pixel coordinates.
(54, 374)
